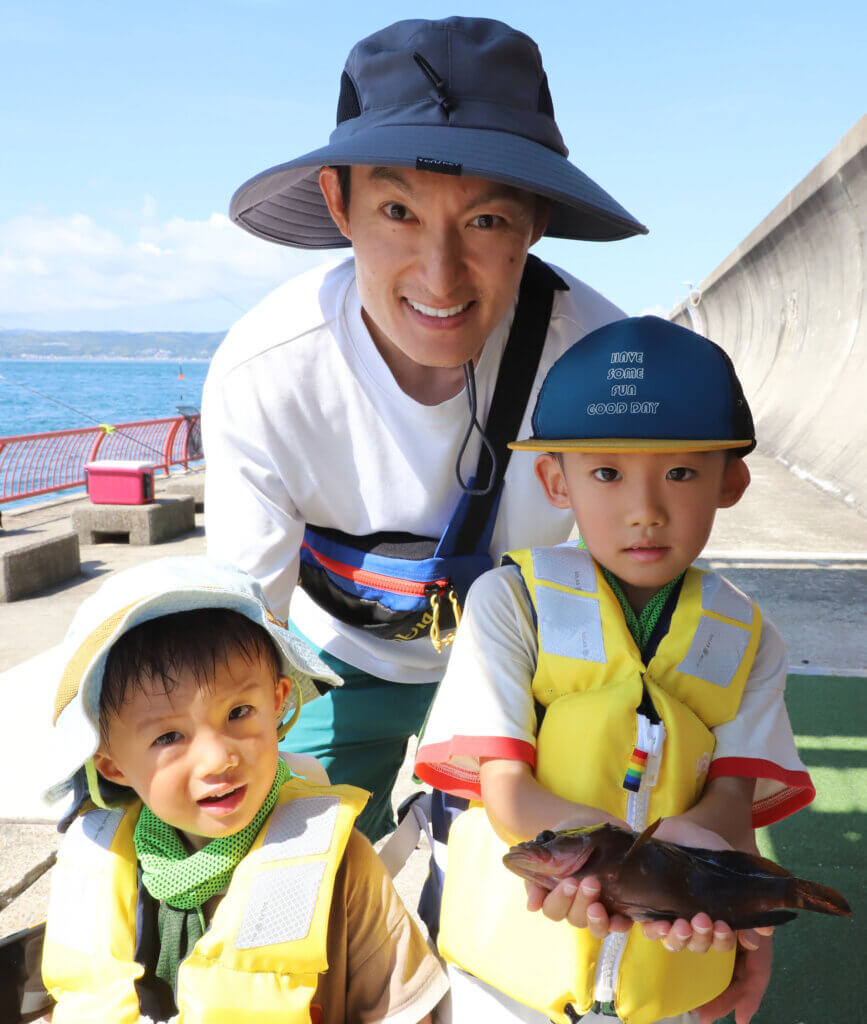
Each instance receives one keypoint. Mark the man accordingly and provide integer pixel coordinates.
(335, 411)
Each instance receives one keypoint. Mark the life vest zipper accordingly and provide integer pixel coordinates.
(392, 584)
(650, 739)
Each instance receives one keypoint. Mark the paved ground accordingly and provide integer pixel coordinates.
(799, 552)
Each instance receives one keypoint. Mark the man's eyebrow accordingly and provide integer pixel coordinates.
(394, 176)
(498, 193)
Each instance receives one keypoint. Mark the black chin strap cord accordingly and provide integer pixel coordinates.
(470, 380)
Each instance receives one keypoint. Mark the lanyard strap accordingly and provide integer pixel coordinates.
(518, 368)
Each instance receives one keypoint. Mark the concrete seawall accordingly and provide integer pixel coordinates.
(788, 305)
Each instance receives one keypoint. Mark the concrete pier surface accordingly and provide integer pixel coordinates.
(800, 553)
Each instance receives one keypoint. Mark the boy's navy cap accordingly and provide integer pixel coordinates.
(129, 598)
(464, 96)
(642, 385)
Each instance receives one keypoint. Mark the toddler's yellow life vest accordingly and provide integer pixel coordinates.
(259, 960)
(630, 738)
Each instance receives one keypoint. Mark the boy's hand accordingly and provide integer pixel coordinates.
(577, 903)
(701, 934)
(748, 984)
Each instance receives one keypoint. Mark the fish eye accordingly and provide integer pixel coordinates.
(546, 836)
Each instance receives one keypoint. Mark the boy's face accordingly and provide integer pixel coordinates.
(202, 758)
(438, 258)
(644, 517)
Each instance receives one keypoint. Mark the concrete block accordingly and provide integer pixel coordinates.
(29, 567)
(138, 524)
(194, 485)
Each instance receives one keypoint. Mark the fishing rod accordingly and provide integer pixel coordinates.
(106, 427)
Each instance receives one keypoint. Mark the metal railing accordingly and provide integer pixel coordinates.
(35, 464)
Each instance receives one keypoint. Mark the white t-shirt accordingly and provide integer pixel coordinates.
(484, 706)
(303, 422)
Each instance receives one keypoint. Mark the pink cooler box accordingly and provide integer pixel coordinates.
(120, 482)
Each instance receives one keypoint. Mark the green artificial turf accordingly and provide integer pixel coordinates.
(820, 971)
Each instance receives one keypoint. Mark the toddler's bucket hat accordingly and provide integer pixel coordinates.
(129, 598)
(465, 96)
(641, 385)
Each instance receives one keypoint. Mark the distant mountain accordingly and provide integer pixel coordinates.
(16, 344)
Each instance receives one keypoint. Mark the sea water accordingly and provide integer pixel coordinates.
(38, 395)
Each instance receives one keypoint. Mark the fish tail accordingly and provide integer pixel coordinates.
(821, 898)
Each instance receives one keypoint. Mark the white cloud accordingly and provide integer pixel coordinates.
(52, 265)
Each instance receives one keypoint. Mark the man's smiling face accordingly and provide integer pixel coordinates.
(438, 260)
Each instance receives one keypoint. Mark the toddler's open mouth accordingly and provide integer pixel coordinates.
(223, 803)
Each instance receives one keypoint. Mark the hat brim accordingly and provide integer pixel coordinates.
(284, 204)
(619, 444)
(76, 708)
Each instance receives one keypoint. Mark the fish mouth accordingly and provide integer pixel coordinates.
(547, 869)
(522, 865)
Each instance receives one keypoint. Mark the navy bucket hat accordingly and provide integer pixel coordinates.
(641, 385)
(464, 96)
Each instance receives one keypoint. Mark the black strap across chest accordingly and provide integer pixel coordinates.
(518, 369)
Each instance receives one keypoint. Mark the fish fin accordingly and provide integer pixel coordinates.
(822, 898)
(763, 920)
(580, 830)
(748, 864)
(766, 919)
(642, 839)
(771, 866)
(645, 914)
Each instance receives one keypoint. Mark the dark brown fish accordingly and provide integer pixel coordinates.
(653, 880)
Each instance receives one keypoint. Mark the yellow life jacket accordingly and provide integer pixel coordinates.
(261, 956)
(631, 738)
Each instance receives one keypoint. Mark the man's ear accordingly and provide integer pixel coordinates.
(330, 186)
(541, 218)
(736, 480)
(550, 474)
(108, 769)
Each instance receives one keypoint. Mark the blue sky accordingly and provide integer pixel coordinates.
(126, 127)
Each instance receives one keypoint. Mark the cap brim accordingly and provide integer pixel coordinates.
(284, 204)
(620, 444)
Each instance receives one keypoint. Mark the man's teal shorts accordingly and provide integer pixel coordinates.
(359, 732)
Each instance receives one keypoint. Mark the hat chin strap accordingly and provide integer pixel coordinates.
(284, 727)
(93, 790)
(470, 381)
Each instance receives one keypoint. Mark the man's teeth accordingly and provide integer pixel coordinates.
(431, 311)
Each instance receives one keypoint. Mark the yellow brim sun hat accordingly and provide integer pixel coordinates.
(129, 598)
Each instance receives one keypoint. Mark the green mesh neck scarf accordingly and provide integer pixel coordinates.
(186, 880)
(640, 626)
(183, 881)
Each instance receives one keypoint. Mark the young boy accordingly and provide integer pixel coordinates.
(608, 681)
(210, 884)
